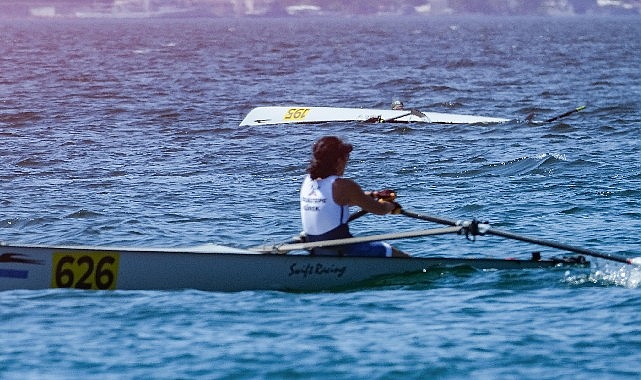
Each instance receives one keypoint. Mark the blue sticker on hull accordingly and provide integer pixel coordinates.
(13, 273)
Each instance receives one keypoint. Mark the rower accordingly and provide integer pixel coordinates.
(325, 197)
(397, 105)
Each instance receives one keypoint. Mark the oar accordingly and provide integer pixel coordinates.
(411, 112)
(568, 113)
(565, 247)
(379, 119)
(493, 231)
(353, 240)
(392, 119)
(356, 215)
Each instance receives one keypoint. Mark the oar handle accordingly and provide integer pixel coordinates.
(386, 195)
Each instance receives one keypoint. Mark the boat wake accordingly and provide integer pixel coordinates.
(429, 278)
(626, 276)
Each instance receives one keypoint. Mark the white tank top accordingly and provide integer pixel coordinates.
(318, 210)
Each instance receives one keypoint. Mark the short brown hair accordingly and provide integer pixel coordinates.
(325, 152)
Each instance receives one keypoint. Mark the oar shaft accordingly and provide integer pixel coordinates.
(562, 246)
(395, 118)
(527, 239)
(577, 109)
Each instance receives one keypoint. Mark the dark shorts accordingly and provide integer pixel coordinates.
(366, 249)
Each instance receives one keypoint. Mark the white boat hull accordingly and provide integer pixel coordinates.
(311, 115)
(212, 268)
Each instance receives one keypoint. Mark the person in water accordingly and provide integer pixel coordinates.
(325, 197)
(397, 105)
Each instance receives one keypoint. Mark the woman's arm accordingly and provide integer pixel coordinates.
(348, 192)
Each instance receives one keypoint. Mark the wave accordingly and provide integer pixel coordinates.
(31, 162)
(83, 213)
(17, 118)
(21, 223)
(536, 165)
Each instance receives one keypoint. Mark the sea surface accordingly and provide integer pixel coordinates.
(125, 133)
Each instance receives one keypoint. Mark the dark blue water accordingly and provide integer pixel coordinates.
(125, 132)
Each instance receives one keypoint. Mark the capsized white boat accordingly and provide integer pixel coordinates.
(218, 268)
(310, 115)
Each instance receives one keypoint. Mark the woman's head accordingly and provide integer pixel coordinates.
(327, 153)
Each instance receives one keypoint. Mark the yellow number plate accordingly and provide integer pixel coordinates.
(85, 270)
(296, 114)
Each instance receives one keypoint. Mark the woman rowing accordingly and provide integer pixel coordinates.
(325, 198)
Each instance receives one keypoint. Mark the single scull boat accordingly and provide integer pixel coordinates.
(215, 267)
(218, 268)
(311, 115)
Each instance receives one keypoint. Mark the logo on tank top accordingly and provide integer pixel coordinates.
(314, 198)
(313, 188)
